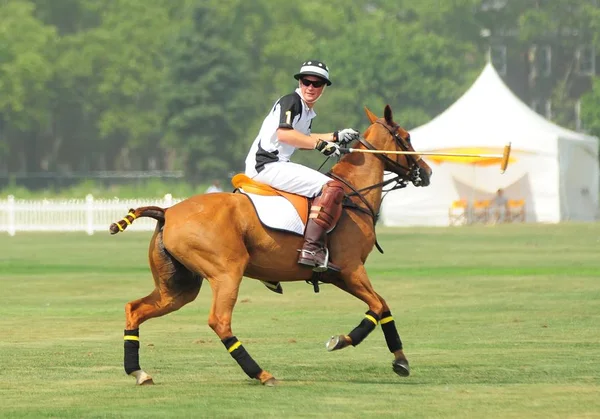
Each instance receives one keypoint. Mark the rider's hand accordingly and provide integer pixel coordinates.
(327, 148)
(345, 136)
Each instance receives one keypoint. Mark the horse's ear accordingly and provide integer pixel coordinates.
(372, 117)
(387, 114)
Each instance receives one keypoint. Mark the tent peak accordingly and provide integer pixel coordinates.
(486, 114)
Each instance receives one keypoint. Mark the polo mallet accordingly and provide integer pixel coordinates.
(505, 156)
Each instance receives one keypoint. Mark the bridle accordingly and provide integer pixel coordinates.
(411, 173)
(404, 175)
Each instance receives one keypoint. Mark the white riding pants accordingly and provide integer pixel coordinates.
(293, 177)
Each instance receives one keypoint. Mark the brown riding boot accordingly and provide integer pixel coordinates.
(314, 253)
(324, 215)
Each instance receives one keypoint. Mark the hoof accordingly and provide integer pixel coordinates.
(400, 367)
(271, 382)
(148, 382)
(267, 379)
(141, 378)
(335, 343)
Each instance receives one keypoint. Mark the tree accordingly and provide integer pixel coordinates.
(208, 94)
(113, 73)
(398, 53)
(590, 106)
(25, 69)
(566, 25)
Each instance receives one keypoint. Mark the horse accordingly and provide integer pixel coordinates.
(218, 237)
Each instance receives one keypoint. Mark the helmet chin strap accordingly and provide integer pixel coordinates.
(314, 101)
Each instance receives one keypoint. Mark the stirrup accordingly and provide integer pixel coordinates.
(316, 268)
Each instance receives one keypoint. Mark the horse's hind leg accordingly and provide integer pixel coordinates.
(175, 286)
(220, 254)
(225, 292)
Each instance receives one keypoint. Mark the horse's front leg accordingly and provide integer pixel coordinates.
(359, 286)
(357, 283)
(393, 341)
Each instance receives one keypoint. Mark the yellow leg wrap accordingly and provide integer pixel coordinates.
(372, 319)
(387, 320)
(234, 346)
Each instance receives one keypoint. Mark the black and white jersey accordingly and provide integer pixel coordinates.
(290, 111)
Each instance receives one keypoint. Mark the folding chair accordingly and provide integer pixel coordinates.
(458, 213)
(515, 211)
(481, 211)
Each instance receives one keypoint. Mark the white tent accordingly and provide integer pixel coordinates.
(555, 170)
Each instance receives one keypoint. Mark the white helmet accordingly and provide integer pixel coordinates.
(314, 68)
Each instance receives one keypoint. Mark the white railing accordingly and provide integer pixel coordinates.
(87, 214)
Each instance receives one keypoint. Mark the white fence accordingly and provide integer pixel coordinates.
(88, 215)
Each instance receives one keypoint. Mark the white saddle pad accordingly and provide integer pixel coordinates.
(277, 212)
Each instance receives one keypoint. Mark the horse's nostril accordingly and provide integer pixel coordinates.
(425, 176)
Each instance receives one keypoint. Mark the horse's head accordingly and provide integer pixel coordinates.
(385, 134)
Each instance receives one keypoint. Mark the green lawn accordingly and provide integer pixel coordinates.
(497, 322)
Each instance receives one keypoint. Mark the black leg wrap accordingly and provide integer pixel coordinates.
(388, 325)
(131, 345)
(364, 328)
(243, 358)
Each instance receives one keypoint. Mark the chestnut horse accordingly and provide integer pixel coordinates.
(219, 237)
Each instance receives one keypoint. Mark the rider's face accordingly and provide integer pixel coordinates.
(311, 93)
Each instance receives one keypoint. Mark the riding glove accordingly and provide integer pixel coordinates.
(327, 148)
(345, 136)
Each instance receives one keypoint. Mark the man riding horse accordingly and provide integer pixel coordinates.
(287, 128)
(219, 237)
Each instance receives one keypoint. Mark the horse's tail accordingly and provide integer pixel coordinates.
(157, 213)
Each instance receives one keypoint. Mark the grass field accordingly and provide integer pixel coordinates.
(497, 322)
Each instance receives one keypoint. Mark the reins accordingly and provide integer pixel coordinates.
(369, 211)
(400, 180)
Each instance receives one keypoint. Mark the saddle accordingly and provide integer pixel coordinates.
(250, 186)
(301, 205)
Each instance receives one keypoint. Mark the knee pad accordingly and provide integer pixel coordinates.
(327, 208)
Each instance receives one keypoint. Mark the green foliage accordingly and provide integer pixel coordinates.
(556, 19)
(24, 65)
(26, 45)
(207, 95)
(113, 72)
(133, 84)
(590, 109)
(563, 106)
